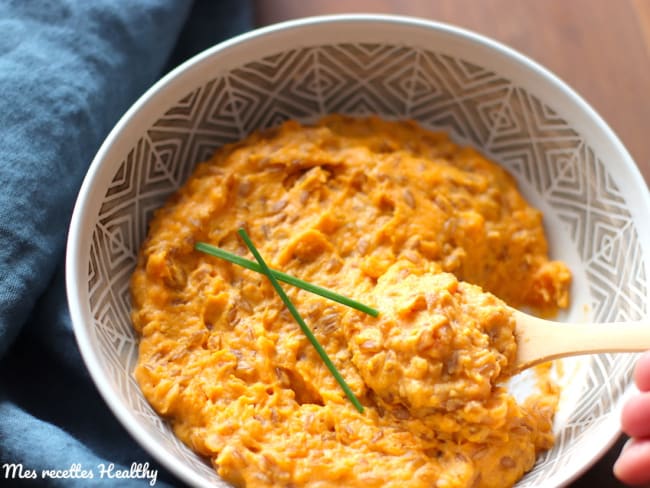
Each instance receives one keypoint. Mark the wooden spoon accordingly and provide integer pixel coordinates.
(540, 340)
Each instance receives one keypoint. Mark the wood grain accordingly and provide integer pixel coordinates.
(642, 9)
(599, 47)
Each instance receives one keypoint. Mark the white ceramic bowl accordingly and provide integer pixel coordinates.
(565, 158)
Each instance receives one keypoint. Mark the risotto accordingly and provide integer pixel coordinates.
(433, 235)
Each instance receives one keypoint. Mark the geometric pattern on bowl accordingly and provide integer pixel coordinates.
(474, 104)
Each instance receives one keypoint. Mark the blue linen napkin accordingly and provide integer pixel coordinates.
(68, 70)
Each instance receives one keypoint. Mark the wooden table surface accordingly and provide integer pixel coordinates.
(599, 47)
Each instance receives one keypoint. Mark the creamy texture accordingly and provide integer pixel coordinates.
(437, 344)
(389, 214)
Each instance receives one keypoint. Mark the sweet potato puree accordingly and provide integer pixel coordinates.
(391, 215)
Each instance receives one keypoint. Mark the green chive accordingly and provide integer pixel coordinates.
(279, 275)
(307, 331)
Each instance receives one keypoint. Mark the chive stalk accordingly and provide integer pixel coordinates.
(280, 276)
(294, 312)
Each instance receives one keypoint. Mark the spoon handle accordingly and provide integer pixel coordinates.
(540, 340)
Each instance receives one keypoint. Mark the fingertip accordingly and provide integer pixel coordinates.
(635, 416)
(631, 467)
(642, 372)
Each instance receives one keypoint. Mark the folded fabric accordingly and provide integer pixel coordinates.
(68, 70)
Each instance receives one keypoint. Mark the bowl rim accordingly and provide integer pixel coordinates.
(76, 268)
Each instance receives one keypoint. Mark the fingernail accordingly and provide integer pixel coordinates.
(627, 444)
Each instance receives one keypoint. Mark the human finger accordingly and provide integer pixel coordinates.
(642, 372)
(635, 416)
(633, 462)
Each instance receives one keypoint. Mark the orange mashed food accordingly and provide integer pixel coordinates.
(391, 215)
